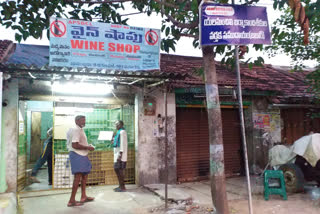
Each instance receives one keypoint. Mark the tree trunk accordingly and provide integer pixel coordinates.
(217, 176)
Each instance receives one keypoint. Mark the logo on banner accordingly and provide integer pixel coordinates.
(219, 11)
(58, 29)
(151, 37)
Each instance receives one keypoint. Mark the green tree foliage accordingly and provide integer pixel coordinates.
(288, 39)
(288, 36)
(30, 17)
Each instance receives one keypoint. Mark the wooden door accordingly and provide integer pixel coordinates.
(36, 145)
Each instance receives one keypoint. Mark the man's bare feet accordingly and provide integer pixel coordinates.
(74, 204)
(86, 199)
(34, 180)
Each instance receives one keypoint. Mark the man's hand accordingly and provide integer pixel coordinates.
(90, 148)
(119, 157)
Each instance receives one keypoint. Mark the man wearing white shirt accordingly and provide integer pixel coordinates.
(120, 144)
(80, 164)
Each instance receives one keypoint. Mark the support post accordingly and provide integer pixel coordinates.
(166, 147)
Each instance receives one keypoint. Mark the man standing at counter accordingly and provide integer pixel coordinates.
(120, 144)
(80, 164)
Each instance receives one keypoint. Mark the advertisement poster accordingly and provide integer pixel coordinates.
(233, 24)
(76, 43)
(261, 121)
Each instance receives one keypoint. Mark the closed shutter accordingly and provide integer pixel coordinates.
(297, 123)
(231, 141)
(193, 143)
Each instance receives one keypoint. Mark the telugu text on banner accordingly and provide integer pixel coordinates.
(76, 43)
(234, 24)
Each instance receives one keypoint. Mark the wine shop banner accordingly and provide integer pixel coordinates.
(76, 43)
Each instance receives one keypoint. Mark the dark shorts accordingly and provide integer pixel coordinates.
(120, 165)
(79, 164)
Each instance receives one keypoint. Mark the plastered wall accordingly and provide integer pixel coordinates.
(10, 135)
(150, 143)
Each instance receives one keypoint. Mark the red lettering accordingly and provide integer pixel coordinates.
(136, 48)
(112, 47)
(101, 46)
(120, 47)
(77, 44)
(128, 48)
(93, 45)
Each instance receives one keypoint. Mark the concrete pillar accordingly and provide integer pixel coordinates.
(172, 146)
(9, 137)
(149, 146)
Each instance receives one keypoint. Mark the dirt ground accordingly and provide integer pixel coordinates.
(296, 204)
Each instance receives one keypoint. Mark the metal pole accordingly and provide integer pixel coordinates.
(243, 131)
(165, 148)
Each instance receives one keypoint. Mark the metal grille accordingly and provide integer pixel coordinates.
(100, 118)
(193, 143)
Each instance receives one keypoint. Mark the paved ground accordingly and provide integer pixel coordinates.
(187, 198)
(134, 201)
(195, 198)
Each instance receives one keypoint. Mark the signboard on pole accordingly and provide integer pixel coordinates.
(76, 43)
(233, 24)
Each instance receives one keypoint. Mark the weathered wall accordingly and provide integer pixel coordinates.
(150, 165)
(171, 136)
(266, 132)
(10, 132)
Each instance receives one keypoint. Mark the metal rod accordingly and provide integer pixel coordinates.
(13, 71)
(165, 148)
(243, 131)
(157, 83)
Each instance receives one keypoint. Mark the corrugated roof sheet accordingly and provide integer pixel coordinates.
(35, 59)
(181, 69)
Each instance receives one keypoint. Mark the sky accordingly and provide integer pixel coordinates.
(184, 45)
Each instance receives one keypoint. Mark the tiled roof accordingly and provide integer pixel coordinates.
(265, 78)
(6, 47)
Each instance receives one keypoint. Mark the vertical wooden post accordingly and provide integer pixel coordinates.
(166, 146)
(217, 176)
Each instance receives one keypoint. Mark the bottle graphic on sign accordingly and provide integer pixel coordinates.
(150, 37)
(56, 26)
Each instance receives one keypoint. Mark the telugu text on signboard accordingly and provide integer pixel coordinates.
(233, 24)
(76, 43)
